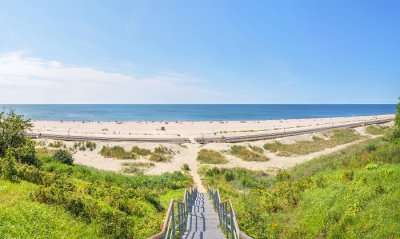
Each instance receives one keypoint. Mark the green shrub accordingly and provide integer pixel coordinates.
(186, 167)
(209, 156)
(63, 156)
(56, 144)
(8, 169)
(12, 128)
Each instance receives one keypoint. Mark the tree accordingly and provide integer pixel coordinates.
(63, 156)
(12, 137)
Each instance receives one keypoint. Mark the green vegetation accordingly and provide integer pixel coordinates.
(41, 197)
(21, 217)
(159, 154)
(185, 167)
(135, 167)
(334, 138)
(117, 152)
(208, 156)
(396, 133)
(63, 156)
(251, 153)
(376, 129)
(353, 193)
(83, 145)
(57, 144)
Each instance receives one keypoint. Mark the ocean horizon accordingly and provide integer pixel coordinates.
(192, 112)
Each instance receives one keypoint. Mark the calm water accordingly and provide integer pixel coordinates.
(192, 112)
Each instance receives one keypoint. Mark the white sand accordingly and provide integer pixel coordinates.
(189, 129)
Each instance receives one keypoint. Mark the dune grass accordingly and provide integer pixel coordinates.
(353, 193)
(135, 167)
(334, 138)
(377, 129)
(208, 156)
(159, 154)
(250, 153)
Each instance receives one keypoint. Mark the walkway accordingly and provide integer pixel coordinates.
(203, 220)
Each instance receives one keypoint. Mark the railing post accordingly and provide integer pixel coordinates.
(232, 224)
(173, 222)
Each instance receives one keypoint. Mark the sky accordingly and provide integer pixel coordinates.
(167, 51)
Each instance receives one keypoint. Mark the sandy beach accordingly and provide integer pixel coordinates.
(187, 153)
(189, 129)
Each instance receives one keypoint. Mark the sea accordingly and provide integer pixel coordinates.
(195, 112)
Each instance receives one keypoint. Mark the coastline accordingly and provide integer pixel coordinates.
(190, 129)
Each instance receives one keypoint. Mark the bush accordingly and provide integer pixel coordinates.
(63, 156)
(8, 169)
(12, 129)
(186, 167)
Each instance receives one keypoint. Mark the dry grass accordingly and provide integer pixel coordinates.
(208, 156)
(251, 153)
(136, 167)
(334, 138)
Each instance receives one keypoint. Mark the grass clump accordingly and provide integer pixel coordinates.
(208, 156)
(136, 167)
(376, 129)
(159, 154)
(117, 152)
(57, 144)
(63, 156)
(251, 153)
(334, 138)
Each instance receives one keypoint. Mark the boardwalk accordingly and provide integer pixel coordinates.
(203, 221)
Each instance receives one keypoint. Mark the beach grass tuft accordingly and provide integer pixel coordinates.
(251, 153)
(208, 156)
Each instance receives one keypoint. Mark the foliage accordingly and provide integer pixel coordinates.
(57, 144)
(7, 167)
(83, 145)
(186, 167)
(335, 137)
(20, 217)
(396, 133)
(12, 138)
(209, 156)
(63, 156)
(376, 129)
(251, 153)
(350, 194)
(159, 154)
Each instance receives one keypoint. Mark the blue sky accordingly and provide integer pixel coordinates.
(200, 51)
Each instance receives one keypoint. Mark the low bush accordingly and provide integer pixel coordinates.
(63, 156)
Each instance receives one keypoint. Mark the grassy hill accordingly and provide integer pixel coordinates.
(56, 200)
(354, 193)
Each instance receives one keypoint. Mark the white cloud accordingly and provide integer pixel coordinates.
(25, 79)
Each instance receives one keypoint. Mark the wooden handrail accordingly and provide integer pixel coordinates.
(175, 224)
(227, 216)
